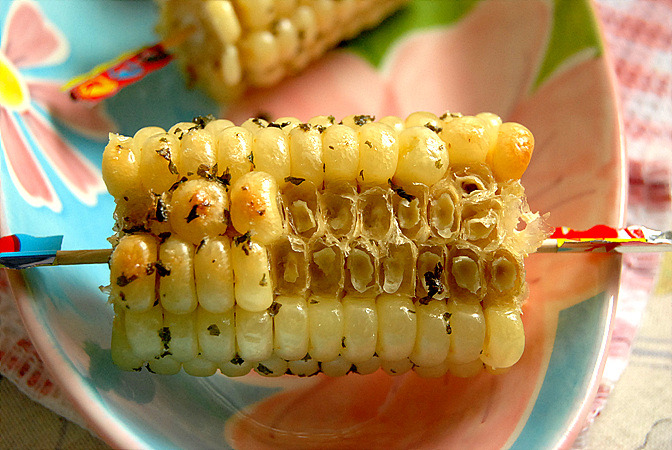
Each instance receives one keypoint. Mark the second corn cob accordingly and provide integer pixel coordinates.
(290, 247)
(232, 44)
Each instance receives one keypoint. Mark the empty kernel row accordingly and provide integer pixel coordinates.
(390, 329)
(368, 152)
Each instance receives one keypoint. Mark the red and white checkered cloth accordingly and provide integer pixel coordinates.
(639, 40)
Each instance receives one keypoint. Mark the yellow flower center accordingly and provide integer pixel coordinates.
(13, 91)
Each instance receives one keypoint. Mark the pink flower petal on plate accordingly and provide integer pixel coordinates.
(88, 120)
(78, 174)
(24, 169)
(579, 187)
(470, 67)
(339, 84)
(29, 39)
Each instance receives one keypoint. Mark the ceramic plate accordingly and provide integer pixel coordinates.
(541, 63)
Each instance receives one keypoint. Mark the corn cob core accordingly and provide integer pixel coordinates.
(291, 247)
(232, 44)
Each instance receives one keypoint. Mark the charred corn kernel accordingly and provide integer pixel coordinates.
(237, 367)
(254, 207)
(198, 209)
(213, 273)
(433, 334)
(467, 335)
(234, 152)
(326, 328)
(314, 269)
(305, 154)
(254, 334)
(180, 335)
(467, 140)
(197, 150)
(159, 157)
(145, 332)
(270, 149)
(423, 157)
(512, 153)
(199, 367)
(378, 154)
(120, 167)
(271, 367)
(504, 336)
(216, 335)
(120, 349)
(251, 272)
(290, 327)
(360, 328)
(397, 327)
(133, 272)
(341, 154)
(177, 287)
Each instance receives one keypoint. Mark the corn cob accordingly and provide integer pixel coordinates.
(233, 44)
(289, 247)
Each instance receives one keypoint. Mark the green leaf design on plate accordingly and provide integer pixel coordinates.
(373, 45)
(574, 30)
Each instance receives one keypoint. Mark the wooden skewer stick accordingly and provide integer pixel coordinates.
(71, 257)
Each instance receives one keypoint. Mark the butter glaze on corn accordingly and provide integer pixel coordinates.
(323, 262)
(227, 45)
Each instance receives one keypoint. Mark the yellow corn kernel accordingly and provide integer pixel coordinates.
(120, 167)
(378, 154)
(199, 367)
(216, 335)
(175, 269)
(433, 335)
(145, 332)
(251, 272)
(270, 151)
(180, 334)
(234, 152)
(159, 158)
(305, 154)
(467, 335)
(255, 209)
(254, 334)
(341, 154)
(120, 349)
(197, 150)
(504, 336)
(290, 327)
(214, 274)
(326, 328)
(360, 328)
(132, 272)
(397, 327)
(512, 153)
(423, 157)
(467, 140)
(271, 367)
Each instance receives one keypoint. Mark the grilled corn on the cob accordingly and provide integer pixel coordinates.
(232, 44)
(291, 247)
